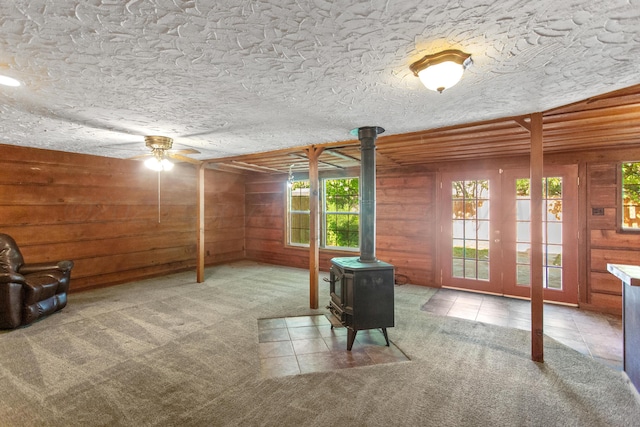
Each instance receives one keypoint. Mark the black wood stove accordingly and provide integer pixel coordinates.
(361, 288)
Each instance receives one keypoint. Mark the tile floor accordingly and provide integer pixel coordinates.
(593, 334)
(295, 345)
(305, 344)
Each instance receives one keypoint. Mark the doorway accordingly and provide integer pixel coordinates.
(485, 232)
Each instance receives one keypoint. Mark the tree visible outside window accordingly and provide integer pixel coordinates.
(299, 213)
(631, 195)
(340, 213)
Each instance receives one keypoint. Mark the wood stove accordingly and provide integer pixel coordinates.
(361, 288)
(362, 295)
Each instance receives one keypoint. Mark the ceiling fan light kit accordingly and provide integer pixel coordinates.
(441, 70)
(158, 165)
(9, 81)
(159, 145)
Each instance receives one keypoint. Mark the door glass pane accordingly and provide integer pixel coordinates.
(483, 230)
(483, 250)
(523, 275)
(458, 267)
(551, 232)
(470, 268)
(523, 231)
(554, 278)
(483, 270)
(522, 209)
(470, 229)
(458, 229)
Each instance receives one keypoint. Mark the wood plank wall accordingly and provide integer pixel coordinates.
(606, 243)
(103, 214)
(224, 217)
(404, 228)
(406, 225)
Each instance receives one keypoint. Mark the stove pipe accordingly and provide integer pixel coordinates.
(367, 136)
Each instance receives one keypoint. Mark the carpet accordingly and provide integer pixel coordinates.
(170, 351)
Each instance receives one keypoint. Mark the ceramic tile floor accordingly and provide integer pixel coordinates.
(299, 345)
(593, 334)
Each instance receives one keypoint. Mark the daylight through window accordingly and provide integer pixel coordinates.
(631, 195)
(339, 202)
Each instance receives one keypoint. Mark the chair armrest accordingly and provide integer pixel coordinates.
(12, 278)
(63, 266)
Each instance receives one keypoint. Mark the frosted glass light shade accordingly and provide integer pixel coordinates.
(441, 76)
(8, 81)
(156, 164)
(441, 70)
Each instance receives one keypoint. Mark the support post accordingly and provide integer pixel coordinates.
(200, 224)
(313, 153)
(537, 297)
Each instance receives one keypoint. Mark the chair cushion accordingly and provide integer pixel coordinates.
(40, 286)
(33, 312)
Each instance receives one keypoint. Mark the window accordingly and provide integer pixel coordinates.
(552, 224)
(631, 196)
(340, 213)
(299, 213)
(470, 225)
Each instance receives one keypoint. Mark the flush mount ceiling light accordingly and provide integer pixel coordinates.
(441, 70)
(8, 81)
(159, 145)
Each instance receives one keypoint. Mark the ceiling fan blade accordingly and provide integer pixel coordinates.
(140, 156)
(185, 151)
(184, 158)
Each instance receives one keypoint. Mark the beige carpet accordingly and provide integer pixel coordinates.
(171, 352)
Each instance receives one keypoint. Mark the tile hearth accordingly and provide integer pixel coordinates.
(305, 344)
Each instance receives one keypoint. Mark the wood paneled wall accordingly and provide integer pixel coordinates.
(607, 244)
(406, 224)
(224, 217)
(404, 228)
(102, 213)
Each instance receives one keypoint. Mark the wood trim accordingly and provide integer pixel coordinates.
(200, 238)
(537, 337)
(313, 154)
(583, 234)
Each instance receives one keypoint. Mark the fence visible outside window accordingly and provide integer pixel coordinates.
(299, 213)
(552, 225)
(631, 196)
(470, 225)
(340, 216)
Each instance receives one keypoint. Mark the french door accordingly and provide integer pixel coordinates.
(485, 232)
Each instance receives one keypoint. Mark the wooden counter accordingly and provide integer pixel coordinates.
(630, 276)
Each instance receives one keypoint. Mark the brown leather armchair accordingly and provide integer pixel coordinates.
(29, 291)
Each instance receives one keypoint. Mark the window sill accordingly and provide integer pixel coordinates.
(337, 251)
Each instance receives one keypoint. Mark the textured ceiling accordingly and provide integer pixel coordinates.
(237, 77)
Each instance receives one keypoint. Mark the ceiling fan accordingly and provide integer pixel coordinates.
(161, 152)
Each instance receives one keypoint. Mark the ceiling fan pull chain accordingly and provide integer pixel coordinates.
(158, 197)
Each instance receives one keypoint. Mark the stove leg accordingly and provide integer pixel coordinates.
(351, 336)
(386, 337)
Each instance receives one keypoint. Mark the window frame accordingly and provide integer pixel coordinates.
(323, 213)
(620, 202)
(288, 213)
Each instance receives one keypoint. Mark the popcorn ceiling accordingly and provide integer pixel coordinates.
(237, 77)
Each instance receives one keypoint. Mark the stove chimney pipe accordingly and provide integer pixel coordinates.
(367, 136)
